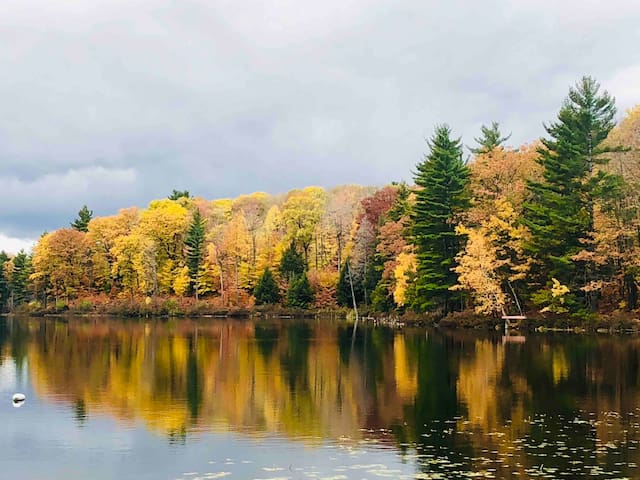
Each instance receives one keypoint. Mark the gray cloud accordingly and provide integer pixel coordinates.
(112, 102)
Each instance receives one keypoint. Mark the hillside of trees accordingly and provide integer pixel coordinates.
(550, 226)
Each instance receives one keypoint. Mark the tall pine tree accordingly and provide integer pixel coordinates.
(194, 246)
(560, 211)
(442, 178)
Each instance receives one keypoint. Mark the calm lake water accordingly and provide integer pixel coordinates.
(294, 399)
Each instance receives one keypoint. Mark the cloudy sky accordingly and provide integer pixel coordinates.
(112, 103)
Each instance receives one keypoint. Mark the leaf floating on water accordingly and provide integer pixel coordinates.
(370, 466)
(384, 473)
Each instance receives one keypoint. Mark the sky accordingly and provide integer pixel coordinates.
(112, 103)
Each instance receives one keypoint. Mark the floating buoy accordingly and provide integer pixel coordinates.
(19, 398)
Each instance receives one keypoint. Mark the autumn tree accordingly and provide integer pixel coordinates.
(617, 219)
(442, 196)
(267, 290)
(301, 213)
(340, 216)
(366, 264)
(254, 210)
(236, 248)
(165, 222)
(62, 258)
(493, 261)
(101, 237)
(560, 213)
(390, 243)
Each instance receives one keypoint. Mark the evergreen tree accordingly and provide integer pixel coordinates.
(371, 276)
(400, 207)
(18, 279)
(443, 178)
(300, 294)
(82, 222)
(292, 263)
(343, 289)
(194, 246)
(560, 211)
(491, 138)
(178, 194)
(381, 301)
(4, 283)
(267, 290)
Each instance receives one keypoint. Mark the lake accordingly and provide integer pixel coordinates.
(308, 399)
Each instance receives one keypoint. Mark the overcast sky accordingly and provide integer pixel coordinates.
(112, 103)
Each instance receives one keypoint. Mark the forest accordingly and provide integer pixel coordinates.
(552, 226)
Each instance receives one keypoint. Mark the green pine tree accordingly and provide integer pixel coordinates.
(19, 280)
(400, 207)
(343, 289)
(82, 222)
(300, 294)
(560, 211)
(178, 194)
(491, 138)
(194, 247)
(443, 178)
(292, 263)
(267, 290)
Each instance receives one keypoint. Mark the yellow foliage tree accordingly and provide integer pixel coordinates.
(181, 281)
(492, 259)
(403, 272)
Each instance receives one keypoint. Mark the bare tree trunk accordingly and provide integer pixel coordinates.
(237, 282)
(315, 239)
(221, 284)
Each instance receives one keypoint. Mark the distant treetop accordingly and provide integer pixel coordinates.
(82, 222)
(176, 194)
(491, 138)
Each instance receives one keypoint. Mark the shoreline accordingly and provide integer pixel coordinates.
(170, 308)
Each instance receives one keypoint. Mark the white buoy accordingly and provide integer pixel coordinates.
(19, 397)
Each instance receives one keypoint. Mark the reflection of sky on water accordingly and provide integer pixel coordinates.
(8, 376)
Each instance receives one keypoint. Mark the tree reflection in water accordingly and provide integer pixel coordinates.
(457, 400)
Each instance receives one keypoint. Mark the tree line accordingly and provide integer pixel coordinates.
(552, 225)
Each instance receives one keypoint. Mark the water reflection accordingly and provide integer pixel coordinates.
(453, 402)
